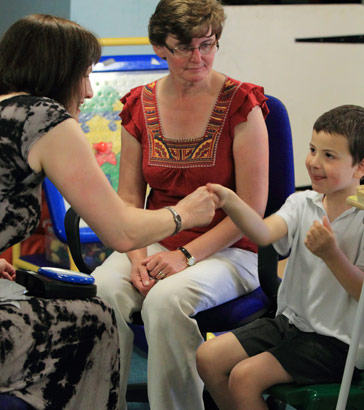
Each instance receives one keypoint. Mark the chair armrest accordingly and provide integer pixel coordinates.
(268, 273)
(72, 227)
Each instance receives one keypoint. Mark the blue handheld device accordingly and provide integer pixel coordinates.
(66, 275)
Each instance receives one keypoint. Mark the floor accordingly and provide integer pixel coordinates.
(138, 406)
(138, 374)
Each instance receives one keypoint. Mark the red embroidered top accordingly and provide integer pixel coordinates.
(174, 168)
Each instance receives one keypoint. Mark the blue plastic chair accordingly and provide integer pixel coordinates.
(9, 402)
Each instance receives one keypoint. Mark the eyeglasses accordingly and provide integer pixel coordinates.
(186, 51)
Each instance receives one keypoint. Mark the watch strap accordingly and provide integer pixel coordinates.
(185, 252)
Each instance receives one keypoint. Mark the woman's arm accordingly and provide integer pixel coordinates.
(132, 185)
(250, 151)
(67, 159)
(132, 190)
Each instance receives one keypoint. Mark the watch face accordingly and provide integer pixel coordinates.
(191, 261)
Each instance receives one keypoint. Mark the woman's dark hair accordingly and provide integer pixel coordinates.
(348, 121)
(185, 19)
(46, 56)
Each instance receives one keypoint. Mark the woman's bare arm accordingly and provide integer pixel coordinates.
(67, 159)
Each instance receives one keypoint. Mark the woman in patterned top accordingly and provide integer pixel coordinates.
(56, 353)
(192, 126)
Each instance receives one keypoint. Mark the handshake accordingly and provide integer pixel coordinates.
(198, 208)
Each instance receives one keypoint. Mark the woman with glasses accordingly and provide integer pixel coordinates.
(191, 127)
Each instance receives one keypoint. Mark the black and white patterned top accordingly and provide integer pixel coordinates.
(23, 120)
(54, 353)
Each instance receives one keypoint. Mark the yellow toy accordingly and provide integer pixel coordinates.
(358, 199)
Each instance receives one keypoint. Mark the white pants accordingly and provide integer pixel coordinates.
(173, 336)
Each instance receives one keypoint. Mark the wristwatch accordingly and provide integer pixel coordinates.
(177, 219)
(190, 259)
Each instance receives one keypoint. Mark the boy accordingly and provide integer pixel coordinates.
(307, 341)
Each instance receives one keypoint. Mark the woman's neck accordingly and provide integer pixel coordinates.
(185, 90)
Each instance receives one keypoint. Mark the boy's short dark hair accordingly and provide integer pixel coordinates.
(346, 120)
(46, 56)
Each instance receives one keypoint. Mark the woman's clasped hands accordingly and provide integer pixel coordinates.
(147, 272)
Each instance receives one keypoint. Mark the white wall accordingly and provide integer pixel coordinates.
(258, 46)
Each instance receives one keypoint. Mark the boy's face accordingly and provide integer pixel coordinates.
(329, 164)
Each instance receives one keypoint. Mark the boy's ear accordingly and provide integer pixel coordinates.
(359, 173)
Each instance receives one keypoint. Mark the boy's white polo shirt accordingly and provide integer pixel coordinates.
(310, 295)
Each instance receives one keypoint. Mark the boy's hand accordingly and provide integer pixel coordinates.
(220, 191)
(320, 239)
(7, 271)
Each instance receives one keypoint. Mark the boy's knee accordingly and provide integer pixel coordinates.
(244, 379)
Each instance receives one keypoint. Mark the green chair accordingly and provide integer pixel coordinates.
(315, 397)
(349, 395)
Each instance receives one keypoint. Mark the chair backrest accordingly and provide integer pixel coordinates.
(281, 165)
(281, 185)
(57, 209)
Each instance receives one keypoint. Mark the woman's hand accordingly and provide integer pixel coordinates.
(140, 278)
(165, 263)
(197, 208)
(7, 271)
(146, 273)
